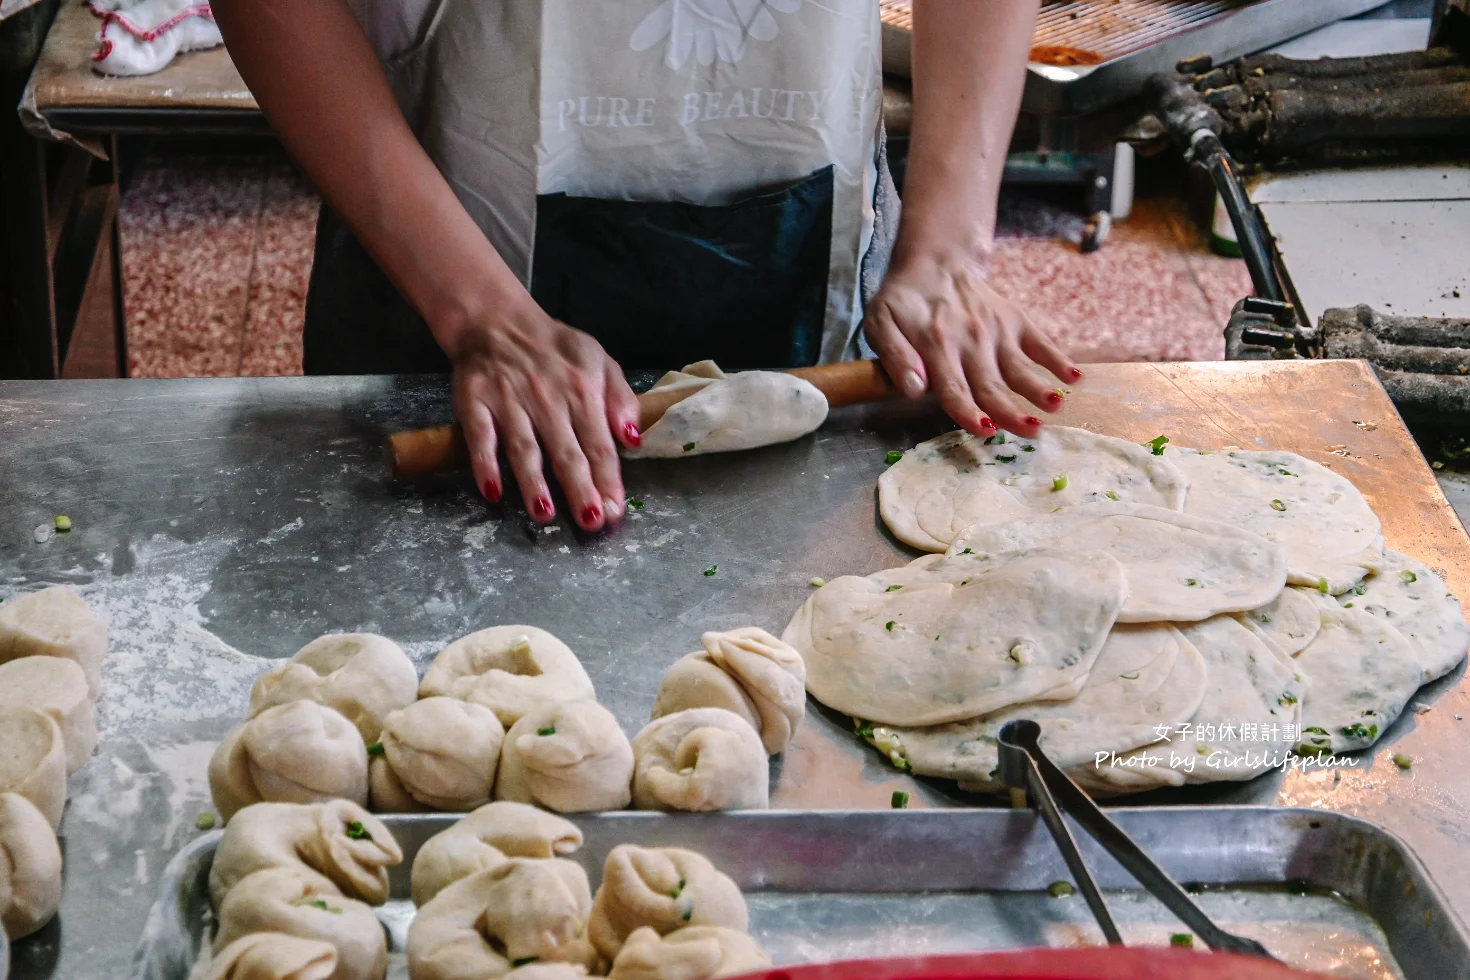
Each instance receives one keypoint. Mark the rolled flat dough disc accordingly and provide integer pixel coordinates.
(1179, 568)
(59, 688)
(1292, 621)
(54, 622)
(1324, 523)
(1360, 673)
(1418, 604)
(1146, 676)
(731, 412)
(1252, 694)
(946, 638)
(945, 485)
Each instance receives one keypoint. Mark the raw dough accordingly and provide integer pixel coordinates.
(1418, 604)
(1292, 621)
(1324, 523)
(548, 971)
(508, 669)
(747, 671)
(386, 792)
(362, 675)
(444, 751)
(664, 888)
(33, 760)
(1179, 568)
(59, 688)
(583, 762)
(483, 925)
(731, 412)
(274, 956)
(946, 638)
(30, 867)
(301, 752)
(296, 902)
(487, 837)
(54, 622)
(340, 841)
(1360, 673)
(945, 485)
(691, 953)
(700, 759)
(1250, 681)
(1146, 676)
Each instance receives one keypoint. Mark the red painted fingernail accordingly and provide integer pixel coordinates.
(1053, 398)
(631, 433)
(1032, 420)
(986, 424)
(1076, 373)
(492, 491)
(591, 514)
(542, 508)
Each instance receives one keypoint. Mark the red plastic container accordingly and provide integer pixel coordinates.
(1099, 963)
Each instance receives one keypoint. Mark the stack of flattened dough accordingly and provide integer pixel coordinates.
(51, 652)
(1168, 616)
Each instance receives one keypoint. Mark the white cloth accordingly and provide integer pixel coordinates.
(140, 37)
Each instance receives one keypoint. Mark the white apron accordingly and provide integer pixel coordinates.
(661, 167)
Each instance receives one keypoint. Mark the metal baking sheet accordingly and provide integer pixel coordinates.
(1138, 38)
(1323, 891)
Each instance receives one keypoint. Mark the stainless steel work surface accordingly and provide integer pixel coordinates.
(1322, 891)
(220, 524)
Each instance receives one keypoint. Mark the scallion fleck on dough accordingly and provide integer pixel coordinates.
(888, 626)
(1060, 889)
(1324, 587)
(1277, 505)
(547, 730)
(1059, 483)
(893, 456)
(689, 446)
(1156, 445)
(893, 588)
(1409, 577)
(356, 831)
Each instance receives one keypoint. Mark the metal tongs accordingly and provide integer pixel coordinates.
(1023, 766)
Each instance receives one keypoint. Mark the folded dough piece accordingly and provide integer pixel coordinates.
(54, 622)
(444, 752)
(567, 756)
(663, 888)
(486, 838)
(747, 671)
(30, 867)
(731, 412)
(1292, 621)
(1145, 677)
(1180, 568)
(509, 915)
(946, 638)
(1326, 526)
(945, 485)
(1417, 603)
(386, 792)
(274, 956)
(700, 759)
(691, 953)
(548, 971)
(302, 752)
(1360, 673)
(362, 675)
(296, 902)
(338, 840)
(33, 760)
(507, 669)
(59, 688)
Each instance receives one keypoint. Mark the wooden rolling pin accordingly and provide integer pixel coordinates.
(424, 451)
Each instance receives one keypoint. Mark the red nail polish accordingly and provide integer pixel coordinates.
(1076, 374)
(1053, 398)
(985, 423)
(591, 514)
(492, 491)
(631, 433)
(1032, 420)
(542, 508)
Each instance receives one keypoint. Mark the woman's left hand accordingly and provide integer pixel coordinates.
(938, 325)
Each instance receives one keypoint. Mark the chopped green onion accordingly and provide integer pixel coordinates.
(1028, 449)
(1356, 730)
(1191, 582)
(1286, 700)
(894, 455)
(1318, 731)
(678, 889)
(688, 914)
(523, 961)
(1409, 577)
(1129, 677)
(375, 749)
(817, 582)
(899, 800)
(901, 764)
(1278, 505)
(968, 551)
(1181, 939)
(1004, 459)
(688, 446)
(1323, 587)
(635, 503)
(1110, 495)
(864, 729)
(1059, 483)
(357, 831)
(1403, 761)
(1060, 889)
(63, 523)
(1286, 472)
(888, 626)
(893, 588)
(319, 903)
(205, 821)
(999, 439)
(711, 570)
(547, 730)
(1156, 445)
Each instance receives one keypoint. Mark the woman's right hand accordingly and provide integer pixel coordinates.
(543, 390)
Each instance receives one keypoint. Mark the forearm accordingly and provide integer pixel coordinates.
(320, 84)
(969, 68)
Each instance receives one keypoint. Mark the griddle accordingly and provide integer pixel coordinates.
(1133, 39)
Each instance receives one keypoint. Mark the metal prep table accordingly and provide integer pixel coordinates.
(222, 523)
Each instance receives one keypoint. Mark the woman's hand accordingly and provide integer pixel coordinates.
(531, 384)
(938, 325)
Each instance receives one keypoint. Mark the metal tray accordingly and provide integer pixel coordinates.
(1323, 891)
